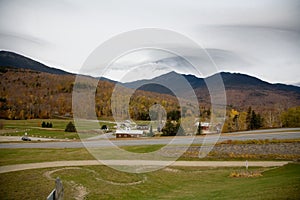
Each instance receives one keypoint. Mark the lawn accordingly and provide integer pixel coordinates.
(101, 182)
(20, 156)
(33, 128)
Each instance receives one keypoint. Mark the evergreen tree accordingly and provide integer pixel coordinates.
(169, 129)
(248, 118)
(254, 121)
(104, 127)
(199, 130)
(70, 127)
(43, 124)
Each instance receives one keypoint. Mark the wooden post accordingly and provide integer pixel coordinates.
(59, 189)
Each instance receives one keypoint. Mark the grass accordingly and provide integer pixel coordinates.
(19, 156)
(143, 149)
(46, 133)
(102, 182)
(33, 128)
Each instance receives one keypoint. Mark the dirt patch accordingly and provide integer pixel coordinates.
(79, 190)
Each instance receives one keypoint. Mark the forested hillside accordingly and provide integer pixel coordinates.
(27, 94)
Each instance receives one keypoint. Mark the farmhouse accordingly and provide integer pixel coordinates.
(129, 133)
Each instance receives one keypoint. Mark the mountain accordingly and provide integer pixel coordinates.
(230, 80)
(10, 59)
(171, 78)
(242, 90)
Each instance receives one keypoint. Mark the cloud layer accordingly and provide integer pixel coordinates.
(259, 37)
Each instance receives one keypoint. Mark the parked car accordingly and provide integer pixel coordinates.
(25, 138)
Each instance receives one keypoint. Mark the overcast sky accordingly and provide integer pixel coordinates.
(257, 37)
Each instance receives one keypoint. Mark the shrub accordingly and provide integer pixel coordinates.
(104, 127)
(47, 125)
(70, 127)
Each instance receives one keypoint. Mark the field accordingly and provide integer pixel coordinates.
(33, 128)
(100, 182)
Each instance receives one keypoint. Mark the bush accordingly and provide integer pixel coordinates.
(70, 127)
(104, 127)
(47, 125)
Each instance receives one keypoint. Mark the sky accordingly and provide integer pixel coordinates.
(258, 37)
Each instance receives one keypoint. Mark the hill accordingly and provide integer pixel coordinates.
(10, 59)
(26, 94)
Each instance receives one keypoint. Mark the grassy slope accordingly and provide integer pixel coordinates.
(184, 183)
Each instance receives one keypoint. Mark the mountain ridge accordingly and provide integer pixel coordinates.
(230, 80)
(11, 59)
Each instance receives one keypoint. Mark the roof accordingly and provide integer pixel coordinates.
(132, 132)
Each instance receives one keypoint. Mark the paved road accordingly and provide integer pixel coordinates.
(19, 167)
(19, 139)
(264, 134)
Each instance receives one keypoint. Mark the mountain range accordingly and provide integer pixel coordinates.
(242, 90)
(230, 80)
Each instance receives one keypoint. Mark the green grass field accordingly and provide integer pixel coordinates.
(20, 156)
(33, 128)
(101, 182)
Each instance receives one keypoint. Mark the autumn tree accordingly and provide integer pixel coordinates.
(291, 118)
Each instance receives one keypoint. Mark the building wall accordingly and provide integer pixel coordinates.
(126, 135)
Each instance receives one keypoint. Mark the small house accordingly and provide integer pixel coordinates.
(129, 133)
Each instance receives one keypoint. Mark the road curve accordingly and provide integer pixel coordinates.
(20, 167)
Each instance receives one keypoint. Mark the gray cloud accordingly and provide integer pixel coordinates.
(17, 38)
(258, 37)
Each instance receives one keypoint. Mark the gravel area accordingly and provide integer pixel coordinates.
(270, 150)
(288, 151)
(260, 149)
